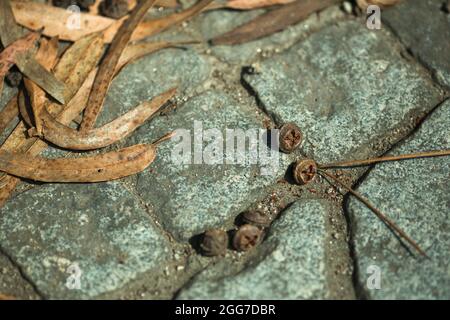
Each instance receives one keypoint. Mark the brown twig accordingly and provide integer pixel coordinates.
(377, 212)
(355, 163)
(272, 21)
(108, 66)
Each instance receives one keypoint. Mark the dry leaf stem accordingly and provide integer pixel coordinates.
(377, 212)
(272, 21)
(365, 162)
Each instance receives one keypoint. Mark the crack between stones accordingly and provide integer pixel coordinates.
(24, 277)
(150, 213)
(251, 92)
(411, 57)
(358, 287)
(188, 282)
(249, 256)
(277, 122)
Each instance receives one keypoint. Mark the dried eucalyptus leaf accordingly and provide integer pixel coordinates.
(104, 167)
(66, 137)
(107, 68)
(272, 21)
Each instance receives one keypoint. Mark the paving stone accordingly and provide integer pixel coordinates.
(415, 194)
(152, 75)
(349, 90)
(424, 28)
(99, 229)
(290, 263)
(189, 198)
(12, 282)
(217, 22)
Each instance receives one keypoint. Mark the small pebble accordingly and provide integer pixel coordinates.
(347, 6)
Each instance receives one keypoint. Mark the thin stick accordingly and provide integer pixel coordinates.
(106, 70)
(377, 212)
(355, 163)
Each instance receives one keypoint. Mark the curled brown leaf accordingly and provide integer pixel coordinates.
(35, 16)
(47, 57)
(10, 32)
(66, 137)
(104, 167)
(13, 52)
(87, 57)
(272, 21)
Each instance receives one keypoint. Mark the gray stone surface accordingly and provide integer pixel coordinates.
(12, 283)
(189, 198)
(290, 264)
(152, 75)
(349, 90)
(99, 227)
(424, 28)
(354, 92)
(415, 194)
(218, 22)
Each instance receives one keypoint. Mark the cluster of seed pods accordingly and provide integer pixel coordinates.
(304, 172)
(215, 242)
(254, 223)
(250, 231)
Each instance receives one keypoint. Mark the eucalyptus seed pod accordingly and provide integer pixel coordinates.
(214, 242)
(246, 237)
(304, 171)
(290, 137)
(257, 218)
